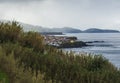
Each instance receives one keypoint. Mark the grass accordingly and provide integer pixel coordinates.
(3, 77)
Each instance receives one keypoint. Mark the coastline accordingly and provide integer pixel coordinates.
(63, 41)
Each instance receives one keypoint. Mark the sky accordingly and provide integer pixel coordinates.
(82, 14)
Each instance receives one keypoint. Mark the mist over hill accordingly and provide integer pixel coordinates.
(29, 27)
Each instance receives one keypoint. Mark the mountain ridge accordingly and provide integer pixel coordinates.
(69, 30)
(30, 27)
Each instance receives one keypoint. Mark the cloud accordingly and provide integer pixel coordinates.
(60, 13)
(19, 0)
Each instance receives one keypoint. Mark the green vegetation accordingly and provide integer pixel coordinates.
(3, 77)
(25, 59)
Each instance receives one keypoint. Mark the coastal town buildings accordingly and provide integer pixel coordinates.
(58, 40)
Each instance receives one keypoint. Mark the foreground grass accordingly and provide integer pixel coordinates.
(25, 59)
(3, 77)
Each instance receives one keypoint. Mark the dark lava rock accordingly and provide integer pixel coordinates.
(75, 44)
(95, 42)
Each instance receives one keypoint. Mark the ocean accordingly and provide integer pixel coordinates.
(110, 48)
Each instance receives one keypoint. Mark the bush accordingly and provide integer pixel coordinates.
(9, 31)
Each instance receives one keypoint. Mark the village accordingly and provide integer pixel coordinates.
(58, 40)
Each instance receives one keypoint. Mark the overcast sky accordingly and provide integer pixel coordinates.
(81, 14)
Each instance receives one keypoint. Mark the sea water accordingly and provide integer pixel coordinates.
(110, 48)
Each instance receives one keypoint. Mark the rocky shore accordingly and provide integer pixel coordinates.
(67, 42)
(75, 44)
(63, 41)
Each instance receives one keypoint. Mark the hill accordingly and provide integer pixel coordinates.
(96, 30)
(29, 27)
(66, 30)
